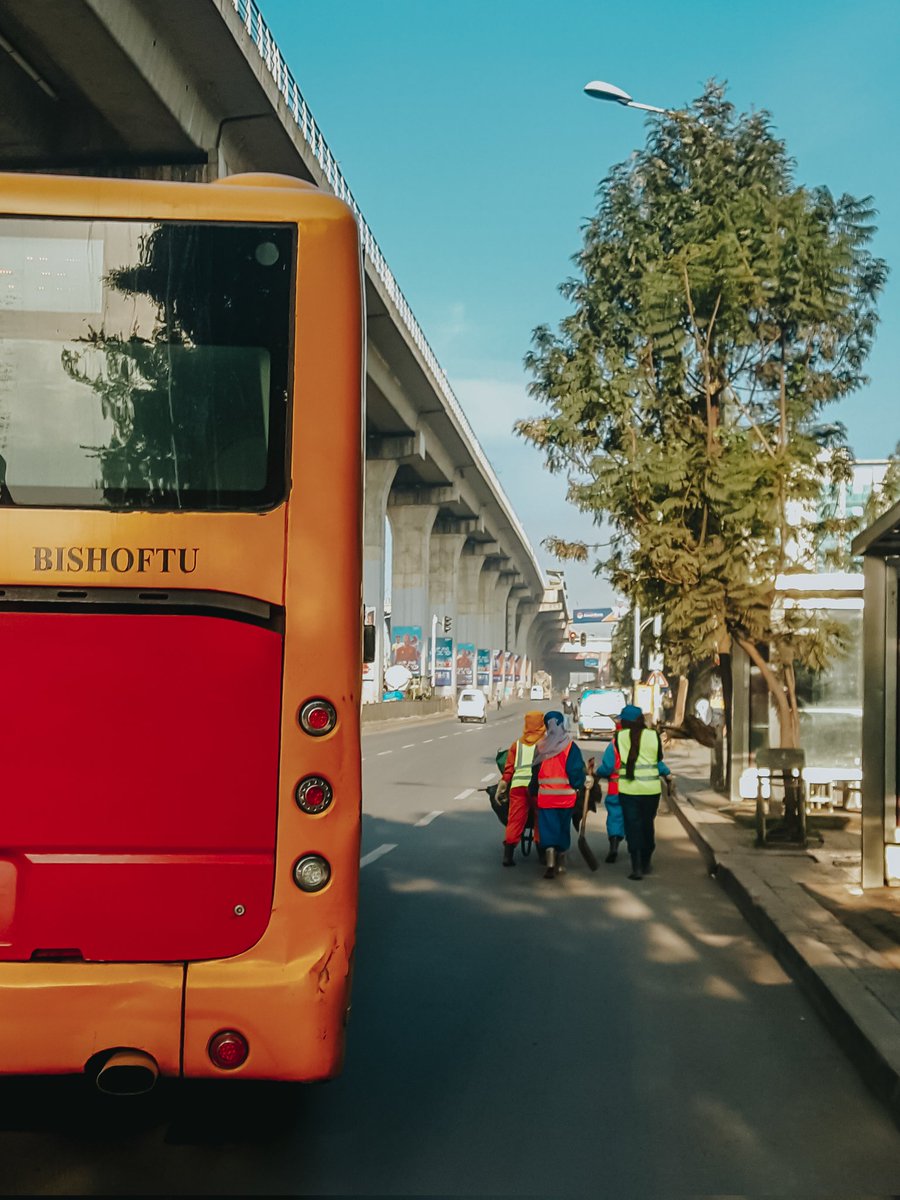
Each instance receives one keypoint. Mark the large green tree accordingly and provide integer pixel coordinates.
(719, 309)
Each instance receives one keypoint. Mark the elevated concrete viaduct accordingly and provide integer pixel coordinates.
(197, 90)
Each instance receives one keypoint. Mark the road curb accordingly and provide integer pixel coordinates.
(864, 1028)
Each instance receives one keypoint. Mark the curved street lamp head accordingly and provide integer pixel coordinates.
(599, 90)
(607, 91)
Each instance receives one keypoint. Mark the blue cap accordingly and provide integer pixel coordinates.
(630, 712)
(553, 715)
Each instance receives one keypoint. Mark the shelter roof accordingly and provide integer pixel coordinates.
(882, 538)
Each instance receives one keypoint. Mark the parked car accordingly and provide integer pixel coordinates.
(471, 705)
(598, 712)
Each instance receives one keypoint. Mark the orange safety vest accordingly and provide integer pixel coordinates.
(554, 789)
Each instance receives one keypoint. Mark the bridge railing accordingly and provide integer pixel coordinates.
(262, 38)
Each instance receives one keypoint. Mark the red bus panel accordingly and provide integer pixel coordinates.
(139, 785)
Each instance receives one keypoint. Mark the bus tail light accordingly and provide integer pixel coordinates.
(311, 873)
(317, 717)
(313, 794)
(228, 1049)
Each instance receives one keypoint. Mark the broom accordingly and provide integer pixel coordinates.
(586, 852)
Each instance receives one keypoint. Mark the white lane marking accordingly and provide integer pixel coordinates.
(486, 778)
(377, 853)
(431, 816)
(380, 752)
(427, 740)
(460, 732)
(464, 795)
(408, 746)
(443, 737)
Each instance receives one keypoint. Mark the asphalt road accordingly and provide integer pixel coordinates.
(509, 1035)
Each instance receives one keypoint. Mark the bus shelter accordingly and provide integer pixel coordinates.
(879, 546)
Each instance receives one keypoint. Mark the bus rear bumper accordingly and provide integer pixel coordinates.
(56, 1018)
(65, 1018)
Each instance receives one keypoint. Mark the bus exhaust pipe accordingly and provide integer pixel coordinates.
(127, 1073)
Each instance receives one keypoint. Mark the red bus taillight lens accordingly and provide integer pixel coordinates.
(228, 1050)
(313, 794)
(317, 717)
(312, 873)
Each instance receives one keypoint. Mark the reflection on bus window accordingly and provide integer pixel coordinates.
(144, 366)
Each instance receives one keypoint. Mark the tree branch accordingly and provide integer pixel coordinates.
(776, 691)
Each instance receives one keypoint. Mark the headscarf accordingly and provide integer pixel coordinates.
(534, 728)
(555, 740)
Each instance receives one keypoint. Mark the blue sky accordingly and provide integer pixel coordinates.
(465, 136)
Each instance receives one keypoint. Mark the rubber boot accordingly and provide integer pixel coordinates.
(550, 860)
(636, 872)
(509, 855)
(613, 849)
(561, 863)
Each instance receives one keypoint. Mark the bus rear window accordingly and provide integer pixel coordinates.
(144, 365)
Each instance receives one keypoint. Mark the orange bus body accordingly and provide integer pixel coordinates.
(190, 939)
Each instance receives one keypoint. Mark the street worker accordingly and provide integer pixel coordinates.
(615, 822)
(636, 753)
(516, 777)
(559, 775)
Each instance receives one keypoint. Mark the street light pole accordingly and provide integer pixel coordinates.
(434, 622)
(639, 627)
(599, 90)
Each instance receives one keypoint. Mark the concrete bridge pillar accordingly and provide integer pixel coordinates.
(525, 615)
(484, 623)
(379, 477)
(515, 598)
(468, 594)
(411, 567)
(446, 547)
(383, 457)
(412, 512)
(498, 610)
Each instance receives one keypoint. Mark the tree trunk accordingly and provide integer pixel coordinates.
(786, 723)
(785, 699)
(680, 700)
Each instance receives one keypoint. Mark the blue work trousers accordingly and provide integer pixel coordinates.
(615, 823)
(639, 813)
(555, 827)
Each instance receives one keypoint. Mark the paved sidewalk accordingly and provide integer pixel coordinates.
(840, 944)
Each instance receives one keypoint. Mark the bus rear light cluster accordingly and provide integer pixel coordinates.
(228, 1050)
(317, 717)
(313, 794)
(311, 873)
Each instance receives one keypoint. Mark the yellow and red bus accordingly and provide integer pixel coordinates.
(181, 433)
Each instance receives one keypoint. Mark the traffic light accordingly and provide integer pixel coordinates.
(448, 624)
(584, 639)
(573, 636)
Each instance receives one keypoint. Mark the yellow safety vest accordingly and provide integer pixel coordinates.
(524, 760)
(646, 768)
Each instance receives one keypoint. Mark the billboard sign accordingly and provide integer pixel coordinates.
(443, 661)
(586, 616)
(406, 647)
(484, 668)
(465, 664)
